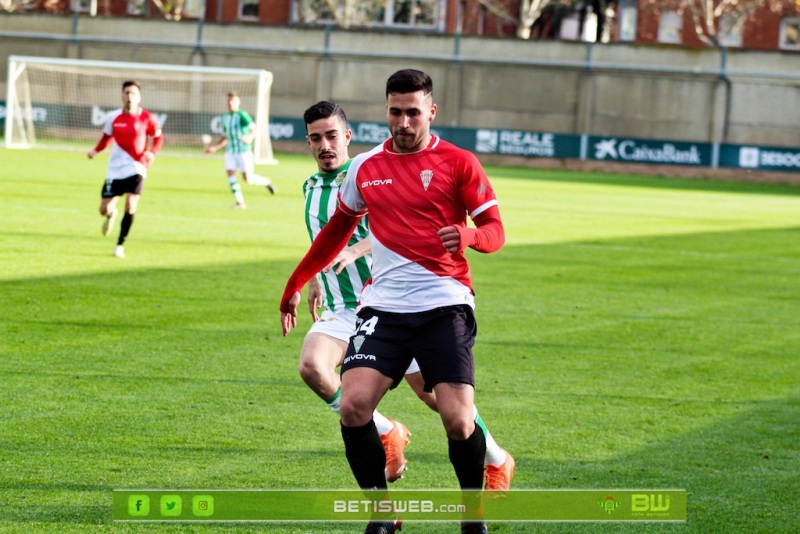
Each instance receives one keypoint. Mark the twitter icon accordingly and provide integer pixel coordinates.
(171, 505)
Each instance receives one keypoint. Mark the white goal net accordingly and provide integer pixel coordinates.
(63, 103)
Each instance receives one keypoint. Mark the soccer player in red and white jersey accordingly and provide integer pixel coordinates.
(130, 128)
(418, 190)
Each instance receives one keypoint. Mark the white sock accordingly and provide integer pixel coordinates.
(257, 179)
(494, 454)
(383, 423)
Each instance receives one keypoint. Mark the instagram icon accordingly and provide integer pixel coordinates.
(202, 505)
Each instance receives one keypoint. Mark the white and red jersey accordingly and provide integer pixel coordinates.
(410, 197)
(131, 135)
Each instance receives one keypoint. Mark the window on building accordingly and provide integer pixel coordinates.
(462, 10)
(195, 9)
(569, 27)
(137, 7)
(728, 35)
(80, 6)
(248, 9)
(481, 19)
(670, 24)
(790, 33)
(628, 13)
(415, 14)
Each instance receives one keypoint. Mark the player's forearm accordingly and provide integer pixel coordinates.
(489, 236)
(158, 142)
(222, 142)
(361, 248)
(103, 143)
(326, 246)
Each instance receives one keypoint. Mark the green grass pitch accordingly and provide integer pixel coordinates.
(633, 333)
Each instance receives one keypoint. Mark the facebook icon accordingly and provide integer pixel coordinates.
(138, 505)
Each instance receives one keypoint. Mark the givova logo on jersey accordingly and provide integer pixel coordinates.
(373, 183)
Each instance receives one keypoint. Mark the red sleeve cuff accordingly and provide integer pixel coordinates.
(489, 236)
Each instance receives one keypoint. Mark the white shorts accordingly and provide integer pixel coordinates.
(239, 162)
(340, 325)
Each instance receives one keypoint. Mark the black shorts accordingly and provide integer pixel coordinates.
(116, 188)
(440, 339)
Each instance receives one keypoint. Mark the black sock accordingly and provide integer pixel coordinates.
(364, 451)
(467, 458)
(125, 227)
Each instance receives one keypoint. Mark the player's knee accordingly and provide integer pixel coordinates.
(355, 412)
(459, 429)
(309, 370)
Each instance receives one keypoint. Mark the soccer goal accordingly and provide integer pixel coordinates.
(63, 103)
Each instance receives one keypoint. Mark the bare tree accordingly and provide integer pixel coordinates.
(714, 20)
(170, 9)
(530, 11)
(343, 13)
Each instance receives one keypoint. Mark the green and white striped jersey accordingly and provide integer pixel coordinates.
(321, 192)
(234, 126)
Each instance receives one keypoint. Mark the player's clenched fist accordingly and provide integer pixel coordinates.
(451, 239)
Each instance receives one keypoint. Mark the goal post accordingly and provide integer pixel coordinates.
(63, 103)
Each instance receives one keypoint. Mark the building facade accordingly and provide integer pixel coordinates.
(635, 21)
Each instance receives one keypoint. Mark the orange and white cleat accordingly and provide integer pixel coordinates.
(394, 443)
(498, 478)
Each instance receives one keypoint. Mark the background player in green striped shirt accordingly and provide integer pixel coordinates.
(238, 132)
(337, 292)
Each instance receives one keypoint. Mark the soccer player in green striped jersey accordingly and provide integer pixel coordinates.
(238, 133)
(337, 290)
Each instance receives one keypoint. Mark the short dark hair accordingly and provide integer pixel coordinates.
(409, 81)
(130, 83)
(322, 110)
(232, 93)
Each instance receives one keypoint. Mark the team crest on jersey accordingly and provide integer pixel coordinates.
(357, 342)
(340, 178)
(426, 176)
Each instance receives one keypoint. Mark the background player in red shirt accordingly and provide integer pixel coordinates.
(418, 190)
(131, 129)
